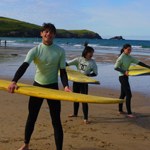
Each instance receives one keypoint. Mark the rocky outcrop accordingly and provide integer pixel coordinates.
(117, 38)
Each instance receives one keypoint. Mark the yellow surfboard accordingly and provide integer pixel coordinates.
(137, 70)
(57, 94)
(137, 67)
(76, 76)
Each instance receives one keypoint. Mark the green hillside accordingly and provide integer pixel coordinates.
(7, 25)
(15, 28)
(83, 33)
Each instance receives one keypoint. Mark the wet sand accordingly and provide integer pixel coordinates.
(107, 129)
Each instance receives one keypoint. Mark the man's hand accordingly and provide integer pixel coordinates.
(12, 87)
(67, 89)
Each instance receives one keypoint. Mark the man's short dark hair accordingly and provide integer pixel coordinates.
(48, 26)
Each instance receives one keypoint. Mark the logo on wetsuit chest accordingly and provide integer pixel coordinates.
(83, 67)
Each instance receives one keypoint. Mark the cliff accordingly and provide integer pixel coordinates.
(15, 28)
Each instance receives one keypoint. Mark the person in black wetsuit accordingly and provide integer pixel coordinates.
(122, 65)
(87, 66)
(48, 59)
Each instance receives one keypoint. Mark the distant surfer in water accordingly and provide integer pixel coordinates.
(122, 65)
(48, 59)
(86, 66)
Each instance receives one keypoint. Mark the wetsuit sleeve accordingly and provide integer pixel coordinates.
(62, 63)
(73, 62)
(21, 70)
(143, 65)
(95, 70)
(30, 56)
(91, 74)
(118, 64)
(133, 60)
(120, 70)
(64, 78)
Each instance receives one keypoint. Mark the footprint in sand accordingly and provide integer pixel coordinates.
(104, 144)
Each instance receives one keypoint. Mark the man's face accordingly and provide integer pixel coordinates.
(48, 36)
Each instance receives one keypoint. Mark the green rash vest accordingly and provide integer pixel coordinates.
(84, 66)
(48, 60)
(124, 61)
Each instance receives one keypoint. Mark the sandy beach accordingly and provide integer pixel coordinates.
(107, 129)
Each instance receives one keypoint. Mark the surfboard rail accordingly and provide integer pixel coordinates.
(76, 76)
(136, 70)
(58, 94)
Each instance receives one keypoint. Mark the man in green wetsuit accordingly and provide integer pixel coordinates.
(48, 59)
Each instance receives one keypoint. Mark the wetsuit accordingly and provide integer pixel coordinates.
(86, 67)
(48, 60)
(122, 65)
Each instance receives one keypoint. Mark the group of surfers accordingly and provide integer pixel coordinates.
(48, 59)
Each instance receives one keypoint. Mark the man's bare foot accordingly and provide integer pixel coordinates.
(72, 115)
(131, 116)
(122, 112)
(86, 122)
(24, 147)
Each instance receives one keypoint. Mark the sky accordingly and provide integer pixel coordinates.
(108, 18)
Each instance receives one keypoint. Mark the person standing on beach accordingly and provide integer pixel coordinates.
(48, 59)
(122, 65)
(86, 66)
(5, 43)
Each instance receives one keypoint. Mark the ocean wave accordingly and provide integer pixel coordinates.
(136, 47)
(78, 44)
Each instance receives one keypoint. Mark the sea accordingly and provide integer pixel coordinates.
(72, 44)
(107, 76)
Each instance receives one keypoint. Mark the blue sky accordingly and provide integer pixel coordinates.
(108, 18)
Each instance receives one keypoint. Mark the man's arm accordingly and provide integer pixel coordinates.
(20, 72)
(17, 76)
(64, 79)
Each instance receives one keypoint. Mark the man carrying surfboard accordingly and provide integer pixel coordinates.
(48, 59)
